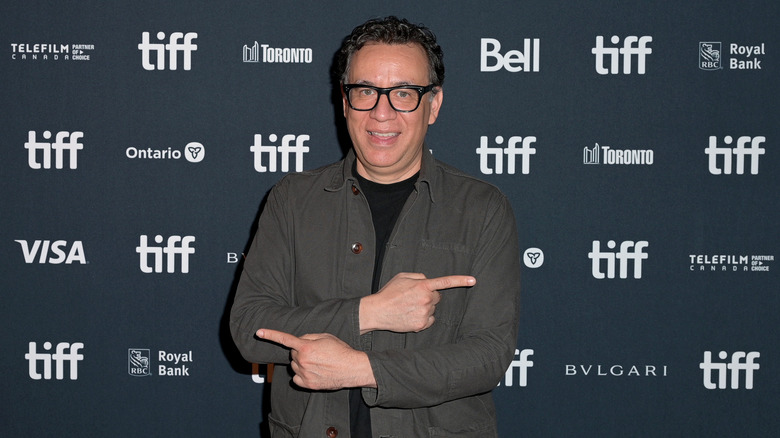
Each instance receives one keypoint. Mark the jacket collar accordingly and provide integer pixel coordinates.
(424, 181)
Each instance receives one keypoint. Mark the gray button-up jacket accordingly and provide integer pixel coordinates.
(305, 274)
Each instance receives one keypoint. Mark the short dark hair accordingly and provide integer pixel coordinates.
(392, 30)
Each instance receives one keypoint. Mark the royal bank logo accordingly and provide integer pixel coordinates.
(139, 362)
(739, 56)
(257, 53)
(266, 154)
(730, 262)
(515, 145)
(533, 258)
(51, 52)
(193, 152)
(709, 56)
(600, 154)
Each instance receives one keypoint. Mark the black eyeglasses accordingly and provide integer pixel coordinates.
(403, 98)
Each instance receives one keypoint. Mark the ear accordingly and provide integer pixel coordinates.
(435, 106)
(344, 103)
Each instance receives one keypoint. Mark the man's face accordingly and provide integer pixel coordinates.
(388, 144)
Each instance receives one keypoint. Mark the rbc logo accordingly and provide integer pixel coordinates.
(284, 150)
(628, 251)
(628, 51)
(513, 60)
(138, 362)
(735, 366)
(173, 47)
(511, 150)
(175, 245)
(740, 151)
(709, 56)
(60, 357)
(58, 149)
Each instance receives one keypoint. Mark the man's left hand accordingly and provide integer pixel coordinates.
(322, 361)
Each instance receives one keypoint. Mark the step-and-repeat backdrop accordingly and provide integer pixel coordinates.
(637, 141)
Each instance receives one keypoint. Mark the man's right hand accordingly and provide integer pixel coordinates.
(407, 302)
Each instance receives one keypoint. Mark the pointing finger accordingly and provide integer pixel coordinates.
(282, 338)
(451, 281)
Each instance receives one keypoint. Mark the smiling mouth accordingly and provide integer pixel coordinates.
(383, 134)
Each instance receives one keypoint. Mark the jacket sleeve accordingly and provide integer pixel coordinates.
(265, 294)
(485, 340)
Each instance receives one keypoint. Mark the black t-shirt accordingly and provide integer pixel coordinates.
(385, 202)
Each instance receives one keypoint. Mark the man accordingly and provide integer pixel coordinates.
(386, 286)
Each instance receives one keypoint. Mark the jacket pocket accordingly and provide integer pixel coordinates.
(479, 430)
(282, 430)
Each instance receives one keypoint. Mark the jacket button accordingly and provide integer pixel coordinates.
(357, 247)
(332, 432)
(355, 190)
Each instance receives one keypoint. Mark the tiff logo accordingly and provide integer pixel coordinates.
(737, 365)
(57, 148)
(511, 150)
(173, 48)
(287, 148)
(612, 54)
(60, 357)
(513, 60)
(521, 363)
(740, 151)
(628, 251)
(49, 252)
(175, 245)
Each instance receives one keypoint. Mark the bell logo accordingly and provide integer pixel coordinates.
(628, 251)
(740, 361)
(175, 245)
(55, 253)
(513, 61)
(60, 357)
(173, 48)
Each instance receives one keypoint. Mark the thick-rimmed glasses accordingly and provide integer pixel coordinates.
(403, 98)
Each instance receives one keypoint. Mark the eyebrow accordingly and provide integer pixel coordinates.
(396, 84)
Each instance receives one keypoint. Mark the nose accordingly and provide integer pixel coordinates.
(383, 110)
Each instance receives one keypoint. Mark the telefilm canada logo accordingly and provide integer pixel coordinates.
(139, 363)
(51, 52)
(264, 53)
(194, 152)
(714, 56)
(730, 262)
(601, 154)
